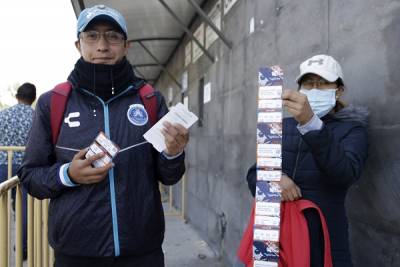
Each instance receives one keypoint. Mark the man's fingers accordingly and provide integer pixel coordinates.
(93, 158)
(294, 112)
(291, 196)
(182, 140)
(176, 136)
(168, 137)
(98, 171)
(81, 154)
(171, 140)
(292, 104)
(283, 196)
(286, 94)
(290, 95)
(294, 96)
(175, 129)
(171, 131)
(181, 130)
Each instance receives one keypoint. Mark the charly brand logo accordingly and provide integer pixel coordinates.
(137, 115)
(72, 115)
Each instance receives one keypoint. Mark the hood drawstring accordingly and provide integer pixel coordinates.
(112, 81)
(94, 89)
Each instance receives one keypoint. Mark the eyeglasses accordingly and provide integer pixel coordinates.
(321, 84)
(112, 37)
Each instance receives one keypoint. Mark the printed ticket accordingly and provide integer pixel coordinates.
(104, 145)
(107, 144)
(270, 92)
(266, 235)
(268, 192)
(265, 264)
(270, 104)
(269, 150)
(269, 162)
(270, 117)
(266, 251)
(268, 208)
(269, 133)
(177, 114)
(261, 220)
(269, 175)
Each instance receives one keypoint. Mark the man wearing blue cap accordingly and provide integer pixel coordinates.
(110, 215)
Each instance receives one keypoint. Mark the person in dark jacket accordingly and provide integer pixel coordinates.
(324, 148)
(110, 215)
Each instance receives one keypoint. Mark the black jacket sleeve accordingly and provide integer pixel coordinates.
(168, 171)
(252, 179)
(39, 171)
(340, 160)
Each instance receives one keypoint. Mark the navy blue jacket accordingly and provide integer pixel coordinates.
(324, 164)
(123, 214)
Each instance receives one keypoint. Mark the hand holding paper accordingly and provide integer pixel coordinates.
(176, 137)
(170, 134)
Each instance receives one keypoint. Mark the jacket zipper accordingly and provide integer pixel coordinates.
(297, 159)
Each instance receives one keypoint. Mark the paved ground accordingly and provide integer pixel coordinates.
(182, 246)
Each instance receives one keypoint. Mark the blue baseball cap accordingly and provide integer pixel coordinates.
(98, 13)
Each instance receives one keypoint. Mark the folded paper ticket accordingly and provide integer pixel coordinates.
(177, 114)
(105, 145)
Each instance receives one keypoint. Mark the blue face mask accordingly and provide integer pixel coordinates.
(321, 101)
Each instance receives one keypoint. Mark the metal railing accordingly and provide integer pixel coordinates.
(39, 253)
(168, 196)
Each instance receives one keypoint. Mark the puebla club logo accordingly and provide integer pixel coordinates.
(137, 115)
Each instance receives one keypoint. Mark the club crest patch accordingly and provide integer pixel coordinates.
(137, 115)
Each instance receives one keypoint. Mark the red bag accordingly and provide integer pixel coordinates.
(294, 237)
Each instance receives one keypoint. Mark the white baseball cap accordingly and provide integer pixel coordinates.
(322, 65)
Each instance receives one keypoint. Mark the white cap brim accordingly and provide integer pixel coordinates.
(329, 76)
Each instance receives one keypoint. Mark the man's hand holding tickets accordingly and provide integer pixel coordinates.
(171, 133)
(176, 138)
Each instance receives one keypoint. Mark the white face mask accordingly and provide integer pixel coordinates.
(321, 101)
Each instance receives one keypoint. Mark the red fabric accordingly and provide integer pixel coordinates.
(245, 251)
(150, 102)
(59, 98)
(294, 238)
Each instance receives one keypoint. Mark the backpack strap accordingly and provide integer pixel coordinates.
(60, 95)
(149, 100)
(59, 98)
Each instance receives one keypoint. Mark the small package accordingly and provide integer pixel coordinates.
(105, 145)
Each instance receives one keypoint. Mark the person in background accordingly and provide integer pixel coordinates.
(15, 123)
(324, 148)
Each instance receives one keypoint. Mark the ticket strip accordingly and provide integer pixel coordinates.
(269, 167)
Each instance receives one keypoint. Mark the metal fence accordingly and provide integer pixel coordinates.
(39, 254)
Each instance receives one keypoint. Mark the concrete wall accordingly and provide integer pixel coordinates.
(364, 35)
